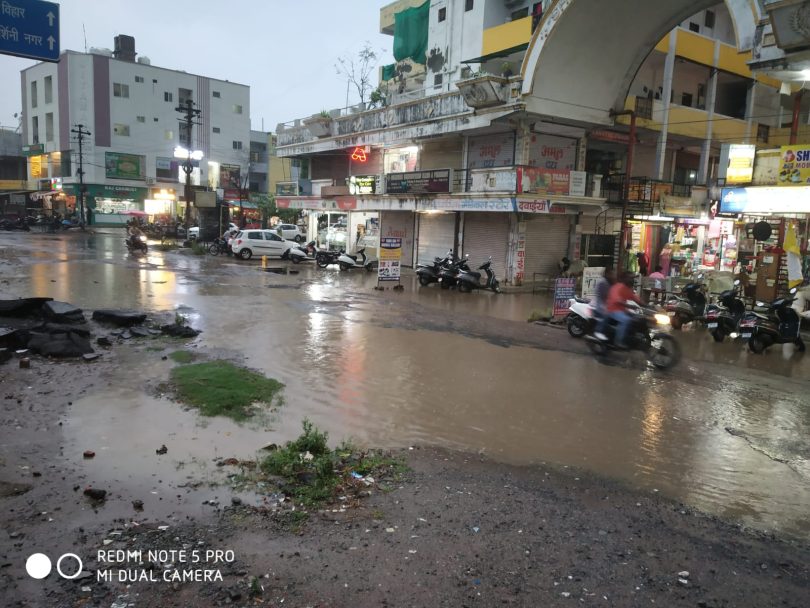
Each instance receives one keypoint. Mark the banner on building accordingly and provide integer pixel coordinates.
(794, 167)
(538, 180)
(490, 151)
(590, 277)
(737, 163)
(552, 151)
(125, 166)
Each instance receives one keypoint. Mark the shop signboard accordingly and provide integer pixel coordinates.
(538, 180)
(134, 193)
(543, 206)
(451, 204)
(418, 182)
(230, 176)
(125, 166)
(737, 163)
(590, 277)
(287, 188)
(564, 290)
(765, 200)
(339, 203)
(362, 184)
(520, 271)
(552, 151)
(390, 257)
(578, 183)
(794, 166)
(491, 151)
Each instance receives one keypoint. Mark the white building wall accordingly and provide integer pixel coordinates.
(158, 134)
(454, 40)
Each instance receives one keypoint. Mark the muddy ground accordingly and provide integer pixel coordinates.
(456, 530)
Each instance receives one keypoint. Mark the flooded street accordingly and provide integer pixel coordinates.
(726, 431)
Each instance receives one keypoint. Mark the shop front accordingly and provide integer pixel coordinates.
(113, 205)
(161, 206)
(545, 229)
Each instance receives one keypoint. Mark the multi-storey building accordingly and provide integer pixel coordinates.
(132, 158)
(512, 137)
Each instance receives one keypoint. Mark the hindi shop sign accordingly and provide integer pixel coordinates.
(30, 28)
(564, 290)
(794, 166)
(390, 256)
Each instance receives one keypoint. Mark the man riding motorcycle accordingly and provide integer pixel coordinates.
(618, 296)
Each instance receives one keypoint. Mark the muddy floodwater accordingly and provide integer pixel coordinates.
(726, 431)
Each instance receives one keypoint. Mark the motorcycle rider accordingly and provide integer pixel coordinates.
(600, 300)
(618, 296)
(134, 231)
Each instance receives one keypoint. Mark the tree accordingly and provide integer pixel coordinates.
(357, 70)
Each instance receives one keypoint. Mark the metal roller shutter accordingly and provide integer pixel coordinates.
(436, 236)
(546, 244)
(487, 234)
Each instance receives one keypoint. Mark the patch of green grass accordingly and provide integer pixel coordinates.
(198, 248)
(220, 388)
(312, 473)
(182, 356)
(539, 314)
(154, 349)
(167, 246)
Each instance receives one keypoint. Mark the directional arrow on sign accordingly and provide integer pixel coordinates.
(51, 40)
(50, 17)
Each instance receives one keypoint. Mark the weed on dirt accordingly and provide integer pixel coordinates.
(182, 356)
(220, 388)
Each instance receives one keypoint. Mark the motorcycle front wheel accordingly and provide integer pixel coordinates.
(424, 280)
(598, 348)
(757, 345)
(576, 326)
(664, 351)
(321, 261)
(718, 335)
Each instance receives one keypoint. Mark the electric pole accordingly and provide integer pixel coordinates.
(81, 132)
(190, 113)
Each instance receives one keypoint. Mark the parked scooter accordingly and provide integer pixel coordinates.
(310, 249)
(448, 276)
(360, 260)
(324, 257)
(297, 254)
(468, 280)
(689, 306)
(581, 319)
(136, 243)
(780, 325)
(724, 318)
(429, 273)
(645, 334)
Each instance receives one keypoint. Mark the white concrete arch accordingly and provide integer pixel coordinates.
(584, 55)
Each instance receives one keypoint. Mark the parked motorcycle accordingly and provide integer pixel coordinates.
(468, 280)
(360, 260)
(136, 243)
(646, 333)
(689, 306)
(324, 257)
(18, 224)
(780, 325)
(448, 276)
(724, 318)
(581, 319)
(429, 273)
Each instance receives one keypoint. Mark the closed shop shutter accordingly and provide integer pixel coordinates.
(487, 234)
(546, 243)
(400, 224)
(436, 236)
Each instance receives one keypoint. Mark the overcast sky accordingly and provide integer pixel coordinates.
(285, 50)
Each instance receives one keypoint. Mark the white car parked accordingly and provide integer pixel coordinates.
(248, 243)
(290, 231)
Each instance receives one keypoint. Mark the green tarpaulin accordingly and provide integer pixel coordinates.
(389, 71)
(411, 33)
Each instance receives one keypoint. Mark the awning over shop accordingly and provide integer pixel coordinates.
(242, 204)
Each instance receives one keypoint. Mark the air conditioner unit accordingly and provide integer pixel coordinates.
(150, 180)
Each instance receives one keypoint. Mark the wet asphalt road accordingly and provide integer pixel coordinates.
(726, 432)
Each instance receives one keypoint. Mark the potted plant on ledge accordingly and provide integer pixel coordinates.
(320, 125)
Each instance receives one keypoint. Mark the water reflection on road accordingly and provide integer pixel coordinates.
(715, 434)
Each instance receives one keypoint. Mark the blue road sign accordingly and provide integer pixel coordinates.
(29, 28)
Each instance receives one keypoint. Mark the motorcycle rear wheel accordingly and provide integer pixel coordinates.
(344, 266)
(424, 280)
(757, 345)
(598, 348)
(719, 335)
(321, 261)
(464, 287)
(664, 351)
(444, 285)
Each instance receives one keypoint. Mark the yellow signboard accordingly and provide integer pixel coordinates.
(794, 166)
(740, 163)
(12, 184)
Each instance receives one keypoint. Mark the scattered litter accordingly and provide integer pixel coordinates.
(683, 582)
(95, 494)
(162, 449)
(356, 475)
(389, 530)
(683, 574)
(565, 594)
(89, 454)
(475, 529)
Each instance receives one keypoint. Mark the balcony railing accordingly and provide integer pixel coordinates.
(641, 189)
